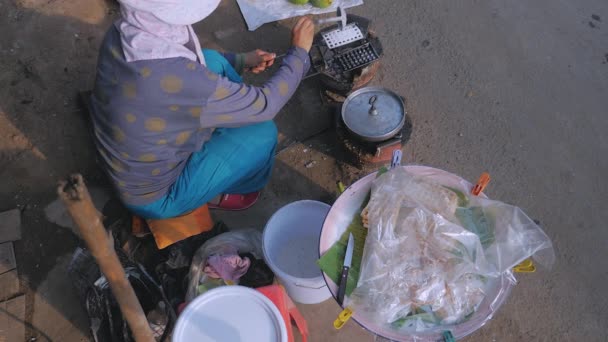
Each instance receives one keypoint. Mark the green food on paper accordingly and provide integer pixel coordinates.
(423, 314)
(332, 261)
(427, 317)
(321, 3)
(474, 220)
(463, 200)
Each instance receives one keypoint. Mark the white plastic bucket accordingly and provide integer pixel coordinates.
(291, 250)
(230, 313)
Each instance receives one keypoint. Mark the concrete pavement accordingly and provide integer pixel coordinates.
(518, 89)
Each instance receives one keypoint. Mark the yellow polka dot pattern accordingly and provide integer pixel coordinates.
(283, 88)
(121, 184)
(196, 111)
(171, 84)
(115, 52)
(147, 158)
(117, 165)
(221, 93)
(243, 90)
(171, 166)
(155, 172)
(103, 154)
(155, 124)
(224, 118)
(129, 91)
(191, 66)
(174, 108)
(145, 72)
(259, 103)
(266, 91)
(211, 75)
(162, 142)
(125, 155)
(130, 118)
(150, 195)
(118, 134)
(183, 137)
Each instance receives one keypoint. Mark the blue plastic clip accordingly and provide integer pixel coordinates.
(448, 337)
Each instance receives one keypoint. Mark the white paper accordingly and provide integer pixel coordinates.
(260, 12)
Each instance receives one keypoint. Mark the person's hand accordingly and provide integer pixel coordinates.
(258, 61)
(303, 33)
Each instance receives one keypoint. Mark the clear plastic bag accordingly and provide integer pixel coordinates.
(433, 253)
(244, 241)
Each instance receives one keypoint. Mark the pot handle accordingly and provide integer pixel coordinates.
(372, 102)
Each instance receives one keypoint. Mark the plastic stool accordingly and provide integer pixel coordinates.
(289, 311)
(169, 231)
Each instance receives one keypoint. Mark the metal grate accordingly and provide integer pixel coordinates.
(357, 57)
(339, 37)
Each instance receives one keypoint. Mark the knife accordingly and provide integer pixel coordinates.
(348, 258)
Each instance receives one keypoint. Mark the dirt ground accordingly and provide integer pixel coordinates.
(517, 89)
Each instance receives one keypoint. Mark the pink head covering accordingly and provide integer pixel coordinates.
(156, 29)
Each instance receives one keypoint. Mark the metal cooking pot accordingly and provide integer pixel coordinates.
(374, 114)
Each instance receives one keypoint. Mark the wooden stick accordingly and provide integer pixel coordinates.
(76, 197)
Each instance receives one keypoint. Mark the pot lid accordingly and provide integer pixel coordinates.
(374, 113)
(230, 313)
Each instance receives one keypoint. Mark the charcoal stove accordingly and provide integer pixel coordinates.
(346, 56)
(363, 153)
(364, 142)
(371, 122)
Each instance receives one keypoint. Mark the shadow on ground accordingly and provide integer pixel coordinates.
(50, 57)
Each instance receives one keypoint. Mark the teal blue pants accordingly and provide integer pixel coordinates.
(234, 161)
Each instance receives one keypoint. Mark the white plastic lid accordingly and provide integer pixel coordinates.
(230, 313)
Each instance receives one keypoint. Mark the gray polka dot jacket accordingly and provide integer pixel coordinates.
(150, 115)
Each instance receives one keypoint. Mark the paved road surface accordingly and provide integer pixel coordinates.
(519, 89)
